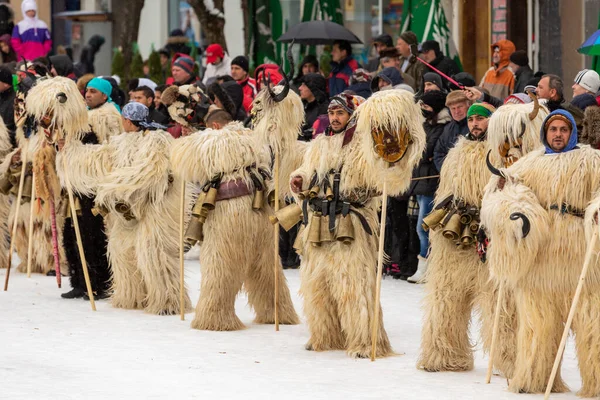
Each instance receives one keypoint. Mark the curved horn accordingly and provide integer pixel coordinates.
(526, 224)
(492, 169)
(62, 97)
(536, 105)
(286, 88)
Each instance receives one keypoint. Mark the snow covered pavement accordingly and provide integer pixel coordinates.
(59, 349)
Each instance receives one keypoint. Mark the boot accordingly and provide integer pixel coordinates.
(394, 271)
(75, 293)
(419, 277)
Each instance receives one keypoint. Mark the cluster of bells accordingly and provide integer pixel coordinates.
(458, 224)
(318, 232)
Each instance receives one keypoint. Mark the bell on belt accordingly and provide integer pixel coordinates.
(304, 194)
(203, 215)
(433, 219)
(271, 199)
(313, 192)
(5, 185)
(452, 230)
(474, 227)
(211, 199)
(196, 210)
(27, 188)
(78, 207)
(287, 217)
(446, 219)
(466, 219)
(193, 233)
(467, 237)
(259, 200)
(345, 230)
(314, 231)
(99, 210)
(325, 234)
(329, 193)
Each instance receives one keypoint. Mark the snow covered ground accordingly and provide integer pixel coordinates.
(53, 348)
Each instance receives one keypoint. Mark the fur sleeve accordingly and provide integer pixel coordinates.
(591, 219)
(85, 164)
(106, 122)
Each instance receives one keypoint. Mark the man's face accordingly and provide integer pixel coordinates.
(238, 73)
(305, 93)
(557, 135)
(94, 98)
(429, 86)
(157, 94)
(379, 46)
(4, 87)
(338, 55)
(477, 125)
(428, 56)
(459, 110)
(139, 97)
(543, 90)
(217, 61)
(578, 89)
(179, 75)
(30, 13)
(128, 126)
(382, 83)
(391, 62)
(338, 119)
(309, 69)
(163, 60)
(403, 47)
(496, 55)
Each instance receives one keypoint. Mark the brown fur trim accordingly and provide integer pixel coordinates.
(169, 96)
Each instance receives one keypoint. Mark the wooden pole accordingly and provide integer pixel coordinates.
(78, 236)
(55, 253)
(30, 232)
(14, 227)
(181, 260)
(499, 301)
(375, 327)
(563, 342)
(277, 264)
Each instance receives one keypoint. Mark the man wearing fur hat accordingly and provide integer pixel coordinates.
(455, 278)
(239, 72)
(536, 221)
(103, 113)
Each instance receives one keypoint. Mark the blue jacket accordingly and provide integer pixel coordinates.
(339, 78)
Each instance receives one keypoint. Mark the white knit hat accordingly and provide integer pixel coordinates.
(589, 80)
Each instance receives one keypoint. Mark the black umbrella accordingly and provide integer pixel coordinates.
(318, 32)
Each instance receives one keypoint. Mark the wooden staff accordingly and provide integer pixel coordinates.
(55, 253)
(499, 301)
(78, 236)
(181, 260)
(563, 342)
(375, 327)
(277, 264)
(14, 227)
(30, 233)
(425, 177)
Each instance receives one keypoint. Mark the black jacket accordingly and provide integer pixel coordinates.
(446, 65)
(452, 132)
(522, 76)
(7, 112)
(88, 55)
(236, 93)
(155, 115)
(311, 112)
(433, 130)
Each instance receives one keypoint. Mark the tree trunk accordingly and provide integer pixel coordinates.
(246, 25)
(126, 25)
(212, 22)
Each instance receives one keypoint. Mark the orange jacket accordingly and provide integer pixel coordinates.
(499, 80)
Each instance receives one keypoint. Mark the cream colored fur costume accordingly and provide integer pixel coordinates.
(238, 242)
(134, 169)
(542, 267)
(105, 121)
(5, 229)
(338, 280)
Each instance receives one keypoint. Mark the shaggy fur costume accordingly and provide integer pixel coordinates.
(5, 148)
(238, 242)
(338, 280)
(591, 127)
(105, 121)
(542, 269)
(134, 169)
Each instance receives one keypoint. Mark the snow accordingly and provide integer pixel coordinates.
(54, 348)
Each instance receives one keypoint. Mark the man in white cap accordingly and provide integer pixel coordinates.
(586, 81)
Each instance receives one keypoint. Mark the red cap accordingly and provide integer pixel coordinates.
(213, 51)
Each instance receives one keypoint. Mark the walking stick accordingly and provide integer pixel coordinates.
(78, 236)
(499, 301)
(55, 241)
(375, 328)
(276, 240)
(181, 260)
(561, 348)
(30, 233)
(14, 227)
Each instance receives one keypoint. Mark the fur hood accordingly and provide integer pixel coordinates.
(591, 127)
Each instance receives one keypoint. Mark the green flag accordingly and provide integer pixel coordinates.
(261, 46)
(596, 59)
(427, 20)
(326, 10)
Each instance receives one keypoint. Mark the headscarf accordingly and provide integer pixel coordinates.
(137, 112)
(564, 116)
(347, 102)
(482, 109)
(103, 86)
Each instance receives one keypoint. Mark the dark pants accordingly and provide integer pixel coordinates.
(401, 239)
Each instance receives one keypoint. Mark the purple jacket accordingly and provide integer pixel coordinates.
(31, 39)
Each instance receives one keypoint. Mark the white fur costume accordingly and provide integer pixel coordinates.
(105, 121)
(134, 169)
(539, 253)
(338, 280)
(238, 241)
(5, 229)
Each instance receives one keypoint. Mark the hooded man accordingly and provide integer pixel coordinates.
(313, 92)
(61, 65)
(217, 63)
(389, 78)
(536, 221)
(31, 37)
(88, 54)
(104, 115)
(499, 80)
